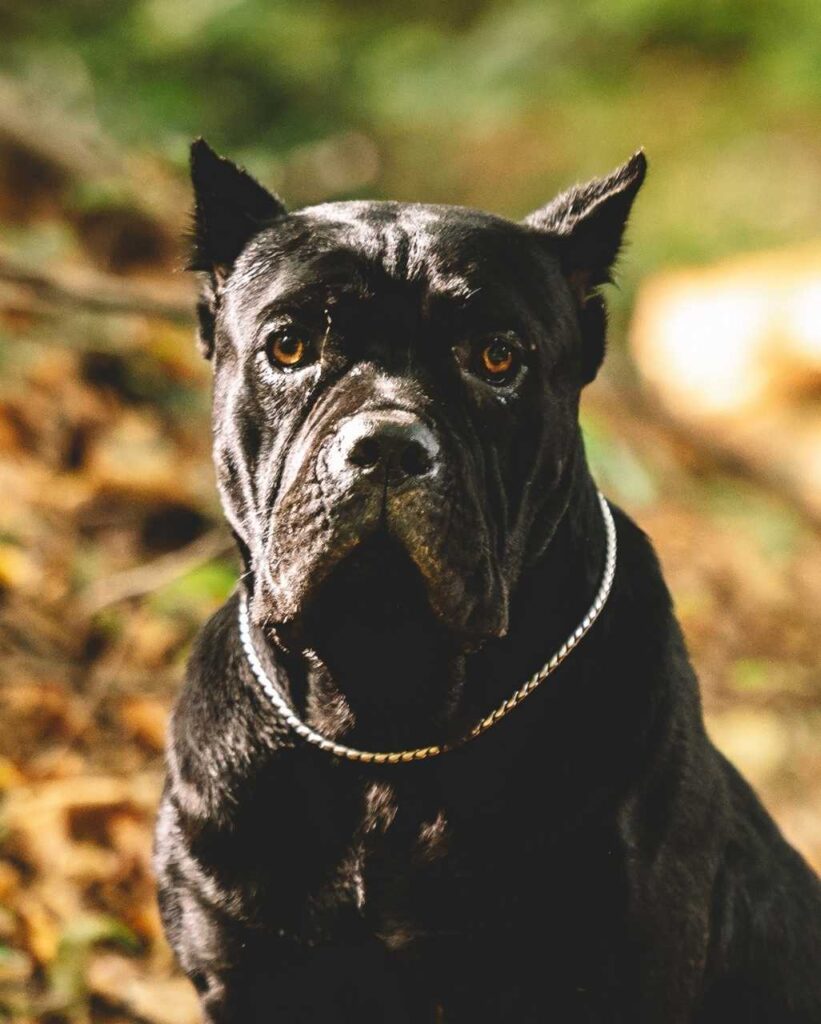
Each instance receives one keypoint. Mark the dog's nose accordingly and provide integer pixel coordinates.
(390, 442)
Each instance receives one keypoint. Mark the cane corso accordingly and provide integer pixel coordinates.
(396, 439)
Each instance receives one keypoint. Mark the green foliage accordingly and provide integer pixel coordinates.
(619, 470)
(778, 530)
(67, 973)
(198, 593)
(492, 102)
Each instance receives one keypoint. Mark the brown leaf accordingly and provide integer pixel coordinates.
(122, 984)
(146, 718)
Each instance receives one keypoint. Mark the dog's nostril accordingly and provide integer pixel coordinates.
(414, 460)
(366, 453)
(395, 444)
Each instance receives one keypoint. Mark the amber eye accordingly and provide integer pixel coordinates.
(286, 349)
(497, 358)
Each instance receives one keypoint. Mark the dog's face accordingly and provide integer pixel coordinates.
(398, 383)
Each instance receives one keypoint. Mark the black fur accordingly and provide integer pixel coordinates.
(417, 539)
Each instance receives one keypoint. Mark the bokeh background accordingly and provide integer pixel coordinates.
(706, 424)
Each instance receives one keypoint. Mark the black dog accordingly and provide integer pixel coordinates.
(396, 390)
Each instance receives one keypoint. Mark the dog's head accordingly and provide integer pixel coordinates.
(397, 385)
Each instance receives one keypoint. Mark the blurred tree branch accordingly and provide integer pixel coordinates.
(94, 292)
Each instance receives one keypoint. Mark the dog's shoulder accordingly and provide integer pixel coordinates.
(214, 665)
(765, 928)
(222, 729)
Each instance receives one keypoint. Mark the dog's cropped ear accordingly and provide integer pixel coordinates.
(230, 208)
(585, 226)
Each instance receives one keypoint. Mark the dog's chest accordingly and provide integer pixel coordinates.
(397, 871)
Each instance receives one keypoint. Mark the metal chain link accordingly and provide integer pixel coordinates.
(287, 714)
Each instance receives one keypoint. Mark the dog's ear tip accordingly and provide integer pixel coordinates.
(201, 155)
(628, 178)
(636, 166)
(230, 207)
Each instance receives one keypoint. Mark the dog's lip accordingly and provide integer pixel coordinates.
(375, 547)
(370, 555)
(360, 574)
(406, 516)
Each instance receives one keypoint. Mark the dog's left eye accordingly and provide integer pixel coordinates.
(287, 349)
(498, 359)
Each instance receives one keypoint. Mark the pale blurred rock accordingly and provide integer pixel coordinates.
(733, 353)
(734, 338)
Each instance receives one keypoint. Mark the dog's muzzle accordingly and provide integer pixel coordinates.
(383, 470)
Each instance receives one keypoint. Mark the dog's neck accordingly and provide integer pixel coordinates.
(551, 598)
(386, 674)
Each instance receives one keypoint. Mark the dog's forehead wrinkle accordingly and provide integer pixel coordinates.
(387, 213)
(413, 241)
(356, 248)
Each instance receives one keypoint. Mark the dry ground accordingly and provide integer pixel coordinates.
(112, 553)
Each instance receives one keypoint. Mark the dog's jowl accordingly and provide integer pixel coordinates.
(441, 757)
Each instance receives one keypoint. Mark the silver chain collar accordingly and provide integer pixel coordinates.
(287, 714)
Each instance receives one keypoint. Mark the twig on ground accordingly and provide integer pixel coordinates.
(144, 579)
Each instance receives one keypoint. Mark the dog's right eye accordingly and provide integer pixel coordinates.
(287, 349)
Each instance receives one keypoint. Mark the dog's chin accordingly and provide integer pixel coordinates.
(394, 568)
(377, 581)
(387, 584)
(371, 625)
(387, 637)
(376, 587)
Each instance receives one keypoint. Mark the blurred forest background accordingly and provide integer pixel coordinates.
(706, 424)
